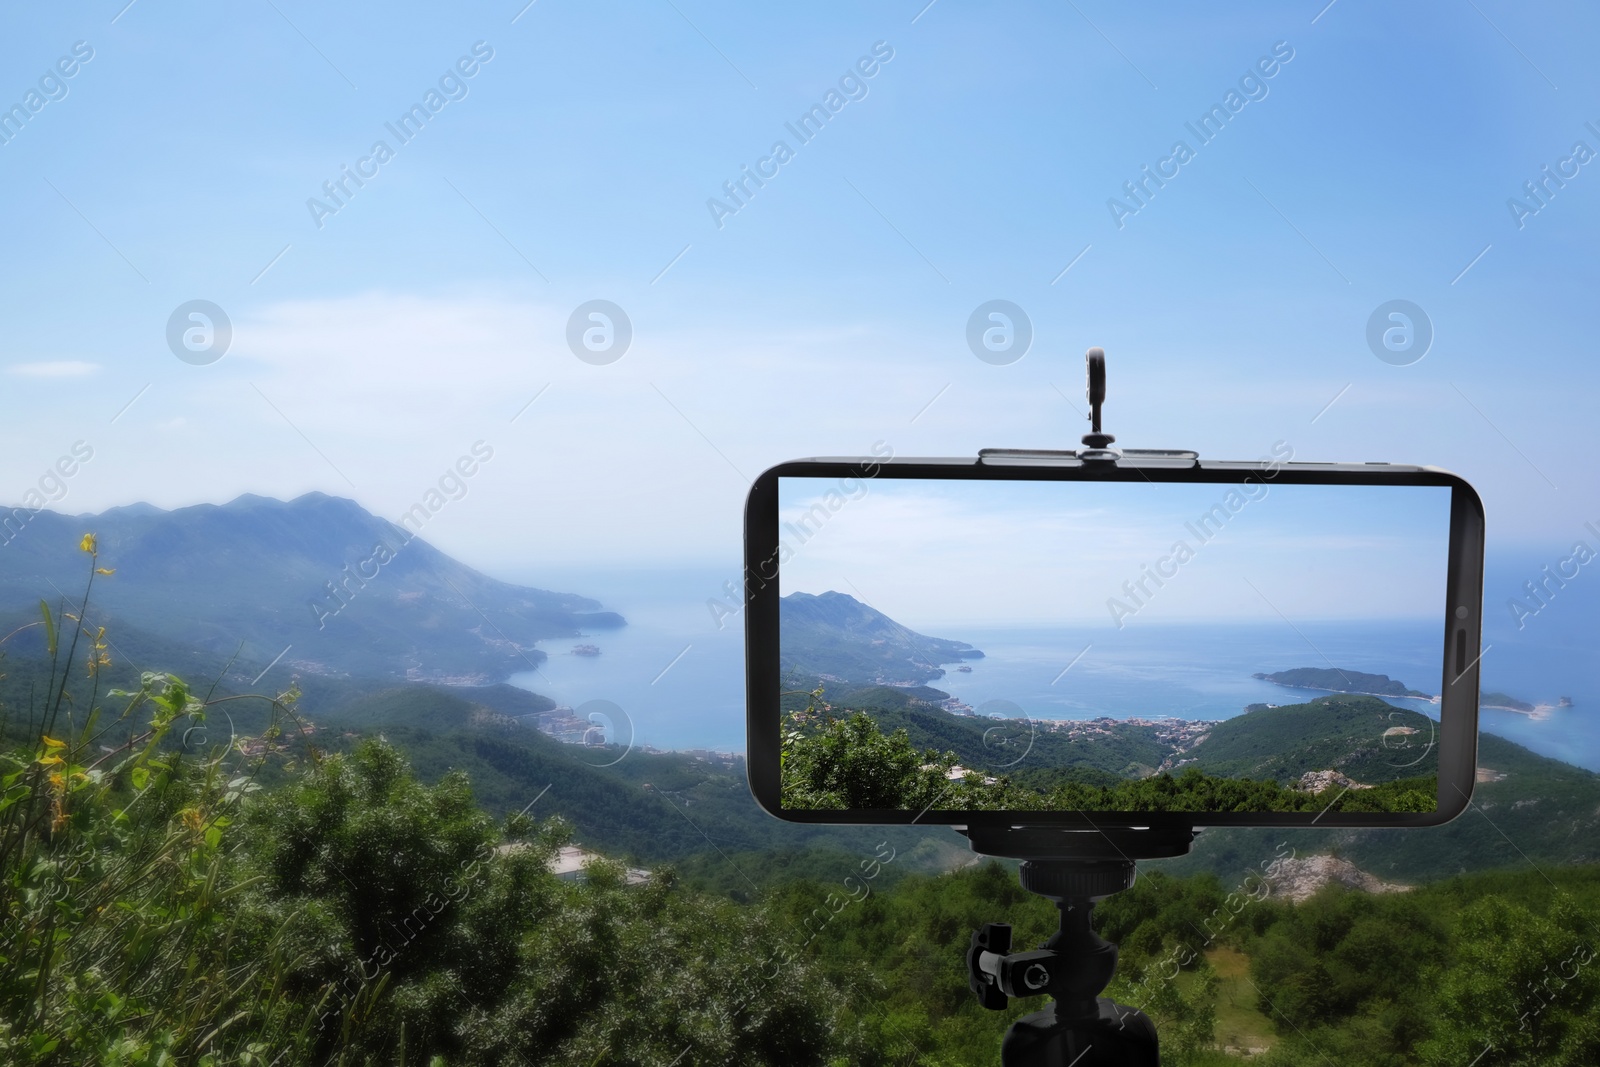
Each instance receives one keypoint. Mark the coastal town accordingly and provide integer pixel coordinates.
(564, 724)
(1180, 735)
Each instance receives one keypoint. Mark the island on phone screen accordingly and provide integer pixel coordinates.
(1020, 645)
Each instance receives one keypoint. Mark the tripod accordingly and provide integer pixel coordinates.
(1076, 858)
(1074, 869)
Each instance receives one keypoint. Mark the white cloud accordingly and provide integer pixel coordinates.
(372, 395)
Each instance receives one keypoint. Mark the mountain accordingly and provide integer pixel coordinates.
(331, 588)
(1360, 736)
(835, 636)
(1341, 681)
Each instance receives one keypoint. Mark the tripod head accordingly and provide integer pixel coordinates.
(1097, 445)
(1075, 869)
(1075, 964)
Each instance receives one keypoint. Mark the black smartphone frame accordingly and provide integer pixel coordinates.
(1462, 627)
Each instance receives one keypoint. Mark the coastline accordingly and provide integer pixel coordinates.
(1538, 713)
(1357, 692)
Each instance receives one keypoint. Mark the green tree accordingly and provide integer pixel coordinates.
(1522, 989)
(424, 932)
(849, 763)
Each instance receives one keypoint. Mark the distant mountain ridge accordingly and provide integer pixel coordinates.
(833, 635)
(318, 580)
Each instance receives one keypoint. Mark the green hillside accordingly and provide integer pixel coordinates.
(1359, 736)
(1546, 807)
(1362, 737)
(1018, 747)
(702, 817)
(645, 807)
(25, 670)
(1544, 813)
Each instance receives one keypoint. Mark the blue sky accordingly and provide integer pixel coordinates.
(830, 311)
(947, 554)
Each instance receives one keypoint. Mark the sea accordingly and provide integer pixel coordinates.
(673, 679)
(1205, 672)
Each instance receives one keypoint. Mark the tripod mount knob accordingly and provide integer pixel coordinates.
(1077, 880)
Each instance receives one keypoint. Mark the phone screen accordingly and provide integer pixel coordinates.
(1048, 645)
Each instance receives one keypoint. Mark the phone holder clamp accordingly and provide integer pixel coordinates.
(1098, 446)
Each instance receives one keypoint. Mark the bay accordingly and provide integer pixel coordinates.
(679, 678)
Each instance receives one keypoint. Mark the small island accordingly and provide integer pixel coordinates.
(1337, 681)
(1504, 702)
(585, 650)
(1496, 701)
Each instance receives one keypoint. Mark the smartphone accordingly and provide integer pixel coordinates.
(1157, 643)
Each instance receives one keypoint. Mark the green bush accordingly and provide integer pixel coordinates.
(161, 909)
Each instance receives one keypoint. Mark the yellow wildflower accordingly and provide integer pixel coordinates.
(50, 761)
(88, 543)
(192, 818)
(105, 570)
(98, 657)
(50, 742)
